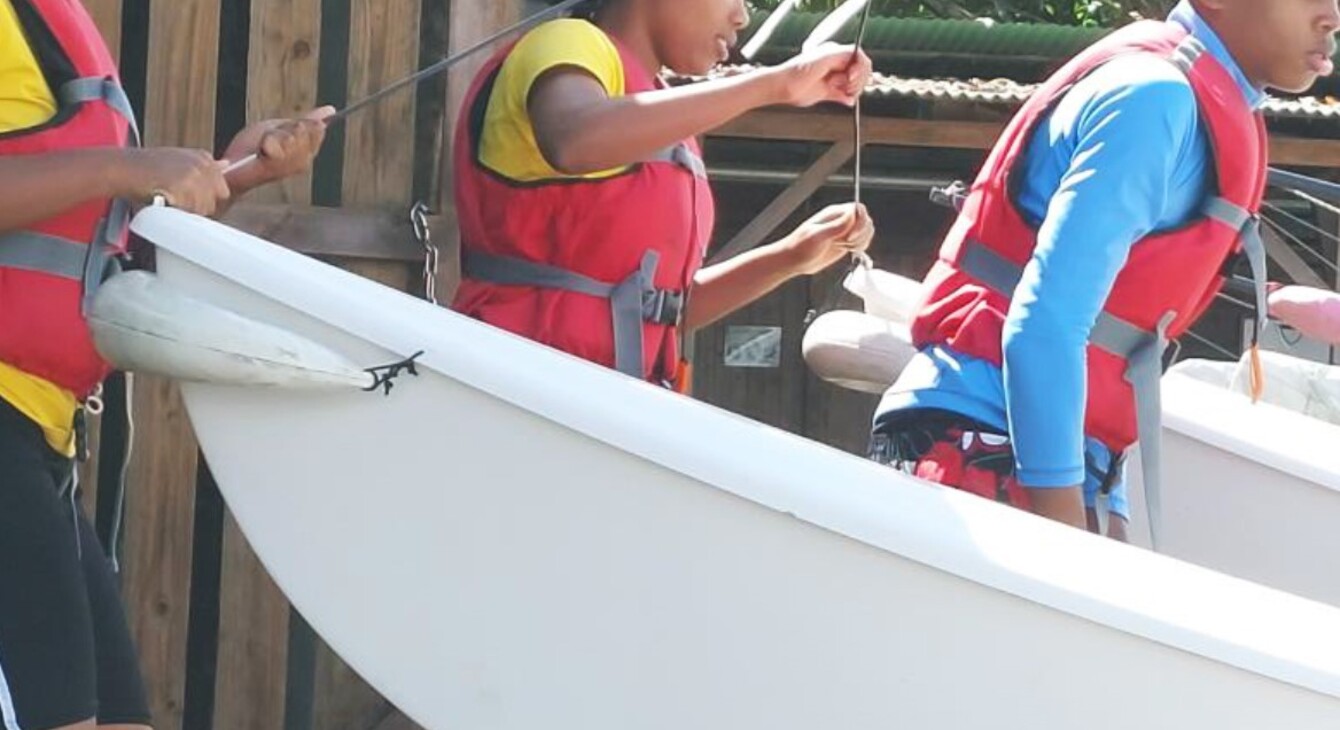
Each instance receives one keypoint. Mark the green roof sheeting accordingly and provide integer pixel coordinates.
(915, 36)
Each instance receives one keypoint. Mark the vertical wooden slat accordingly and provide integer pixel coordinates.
(379, 149)
(469, 22)
(379, 171)
(182, 68)
(282, 76)
(107, 14)
(253, 613)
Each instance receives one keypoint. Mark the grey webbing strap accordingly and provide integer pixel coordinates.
(43, 254)
(106, 90)
(990, 268)
(99, 262)
(90, 264)
(681, 155)
(509, 271)
(1248, 227)
(632, 301)
(626, 310)
(1255, 249)
(1118, 337)
(1187, 53)
(1145, 372)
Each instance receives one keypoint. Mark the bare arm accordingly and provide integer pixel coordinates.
(722, 289)
(38, 187)
(581, 130)
(1063, 505)
(831, 235)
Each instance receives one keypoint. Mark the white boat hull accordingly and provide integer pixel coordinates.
(518, 539)
(1250, 490)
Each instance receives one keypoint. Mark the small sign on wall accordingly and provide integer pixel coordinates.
(753, 347)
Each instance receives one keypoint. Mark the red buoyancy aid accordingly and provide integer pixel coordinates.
(1169, 279)
(598, 268)
(49, 270)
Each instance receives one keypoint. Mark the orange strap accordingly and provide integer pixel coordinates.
(1258, 374)
(683, 380)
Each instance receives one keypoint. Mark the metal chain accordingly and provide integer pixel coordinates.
(418, 219)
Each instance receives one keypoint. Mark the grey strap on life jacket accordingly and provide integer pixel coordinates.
(681, 155)
(97, 88)
(633, 301)
(1185, 55)
(38, 252)
(89, 262)
(1248, 227)
(1143, 352)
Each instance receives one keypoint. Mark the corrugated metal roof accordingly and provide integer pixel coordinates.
(922, 35)
(1009, 93)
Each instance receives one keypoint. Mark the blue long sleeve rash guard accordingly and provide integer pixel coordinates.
(1122, 155)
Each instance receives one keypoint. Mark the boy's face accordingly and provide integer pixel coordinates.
(1283, 44)
(692, 36)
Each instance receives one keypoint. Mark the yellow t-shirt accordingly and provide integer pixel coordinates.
(25, 101)
(507, 145)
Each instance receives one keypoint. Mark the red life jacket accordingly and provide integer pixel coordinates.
(48, 270)
(596, 268)
(1169, 279)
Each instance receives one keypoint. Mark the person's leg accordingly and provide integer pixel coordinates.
(47, 675)
(952, 450)
(122, 702)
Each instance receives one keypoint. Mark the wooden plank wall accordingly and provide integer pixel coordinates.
(254, 617)
(183, 55)
(220, 646)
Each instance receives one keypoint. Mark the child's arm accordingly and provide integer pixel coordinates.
(581, 130)
(38, 187)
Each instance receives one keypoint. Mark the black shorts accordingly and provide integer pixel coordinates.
(66, 654)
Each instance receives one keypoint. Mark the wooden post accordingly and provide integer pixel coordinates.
(107, 14)
(183, 60)
(470, 21)
(251, 683)
(379, 171)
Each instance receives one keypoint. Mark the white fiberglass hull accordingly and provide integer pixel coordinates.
(517, 539)
(1250, 490)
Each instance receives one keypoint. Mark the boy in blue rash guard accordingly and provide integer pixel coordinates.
(1123, 156)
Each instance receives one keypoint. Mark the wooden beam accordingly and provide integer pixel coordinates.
(371, 234)
(160, 509)
(1289, 259)
(788, 201)
(828, 126)
(1302, 152)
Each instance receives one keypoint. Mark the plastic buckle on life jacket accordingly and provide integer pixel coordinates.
(93, 405)
(951, 196)
(662, 306)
